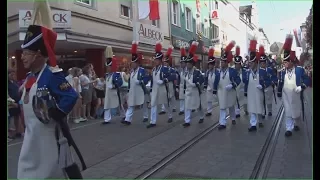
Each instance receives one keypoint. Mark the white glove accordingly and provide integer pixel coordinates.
(228, 87)
(298, 89)
(259, 86)
(110, 86)
(160, 82)
(177, 89)
(266, 90)
(137, 82)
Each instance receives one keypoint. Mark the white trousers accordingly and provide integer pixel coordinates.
(209, 107)
(255, 118)
(187, 115)
(153, 116)
(107, 115)
(181, 105)
(130, 110)
(237, 110)
(223, 115)
(290, 123)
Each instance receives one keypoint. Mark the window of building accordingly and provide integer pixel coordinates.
(175, 13)
(215, 31)
(188, 19)
(216, 6)
(85, 2)
(155, 23)
(125, 11)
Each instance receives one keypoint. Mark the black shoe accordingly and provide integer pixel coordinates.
(193, 110)
(174, 110)
(263, 117)
(145, 119)
(246, 113)
(208, 114)
(123, 122)
(238, 116)
(104, 123)
(270, 114)
(181, 113)
(201, 121)
(252, 128)
(296, 128)
(162, 112)
(170, 120)
(261, 125)
(127, 123)
(123, 118)
(288, 133)
(234, 122)
(151, 125)
(186, 125)
(220, 127)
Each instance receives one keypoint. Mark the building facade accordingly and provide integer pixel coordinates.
(86, 27)
(263, 40)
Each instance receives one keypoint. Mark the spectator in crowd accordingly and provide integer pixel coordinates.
(14, 107)
(69, 77)
(92, 77)
(86, 90)
(76, 84)
(99, 87)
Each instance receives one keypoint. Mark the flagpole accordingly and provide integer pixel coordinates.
(135, 20)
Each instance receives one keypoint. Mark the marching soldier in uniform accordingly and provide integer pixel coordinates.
(114, 81)
(159, 86)
(136, 87)
(225, 84)
(256, 81)
(208, 81)
(171, 86)
(47, 99)
(181, 78)
(269, 91)
(292, 82)
(240, 89)
(193, 90)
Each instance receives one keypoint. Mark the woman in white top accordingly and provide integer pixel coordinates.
(86, 92)
(99, 88)
(76, 72)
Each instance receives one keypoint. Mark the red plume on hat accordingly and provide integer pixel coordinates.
(238, 51)
(230, 46)
(183, 51)
(158, 47)
(211, 51)
(261, 50)
(288, 43)
(193, 48)
(253, 45)
(169, 51)
(195, 58)
(134, 47)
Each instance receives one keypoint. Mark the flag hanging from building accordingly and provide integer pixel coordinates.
(198, 5)
(149, 8)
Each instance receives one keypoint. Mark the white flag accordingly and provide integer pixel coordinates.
(144, 9)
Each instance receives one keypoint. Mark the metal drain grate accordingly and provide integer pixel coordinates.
(184, 176)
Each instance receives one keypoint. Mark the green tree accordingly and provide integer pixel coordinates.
(309, 27)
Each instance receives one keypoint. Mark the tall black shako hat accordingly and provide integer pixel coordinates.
(168, 57)
(158, 50)
(253, 50)
(237, 57)
(287, 48)
(211, 58)
(183, 54)
(262, 55)
(227, 54)
(192, 51)
(109, 56)
(134, 52)
(40, 36)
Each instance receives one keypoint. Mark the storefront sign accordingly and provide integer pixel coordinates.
(148, 34)
(60, 19)
(177, 43)
(215, 41)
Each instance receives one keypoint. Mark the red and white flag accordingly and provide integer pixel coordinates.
(149, 8)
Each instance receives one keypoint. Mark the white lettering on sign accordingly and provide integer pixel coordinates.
(148, 34)
(60, 19)
(180, 44)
